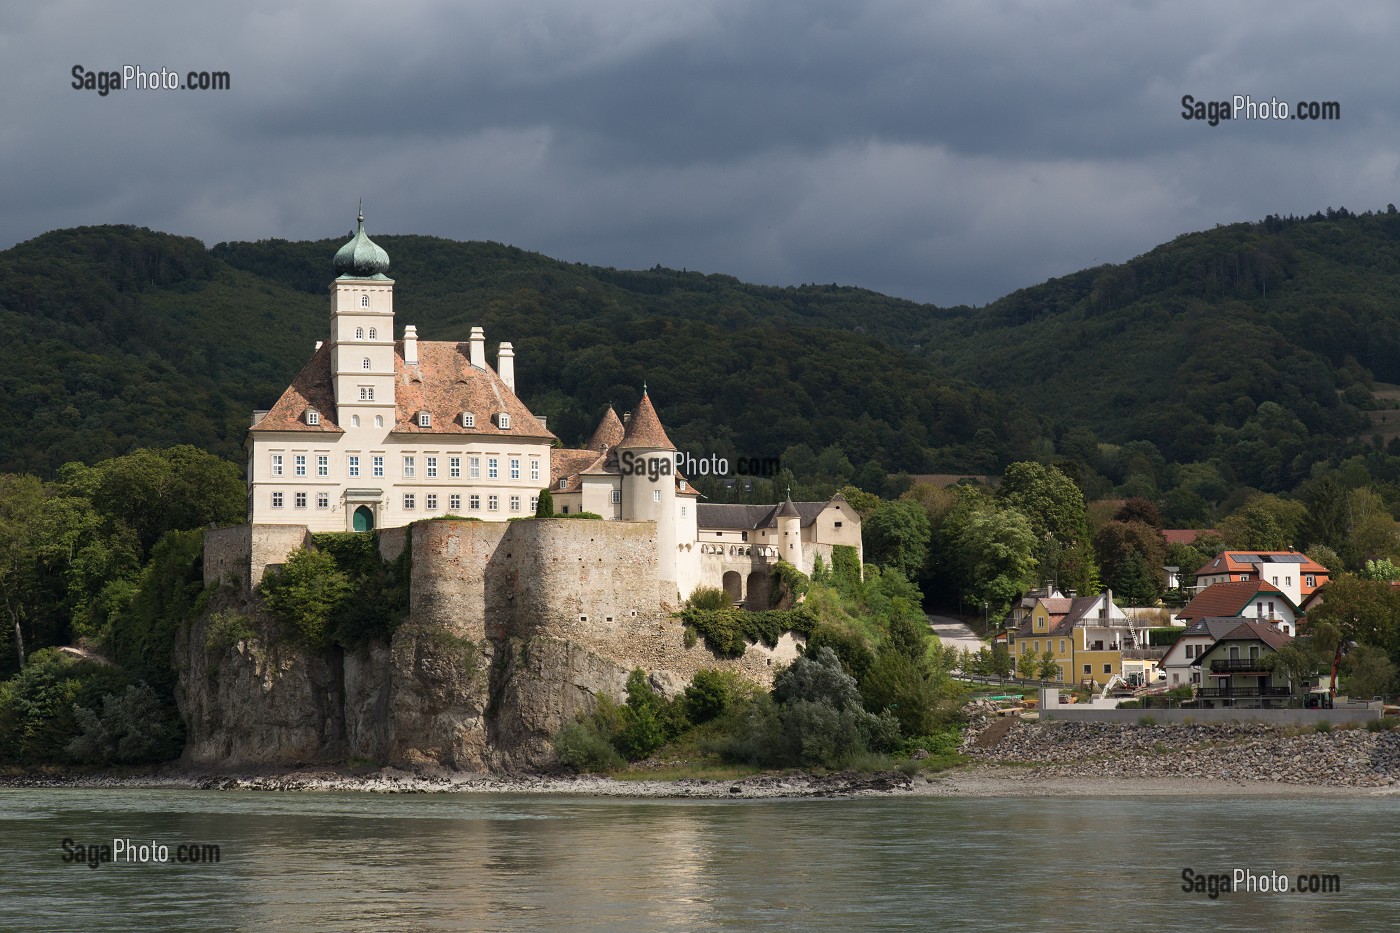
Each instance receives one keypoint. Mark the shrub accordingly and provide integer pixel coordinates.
(37, 718)
(304, 592)
(1146, 721)
(728, 631)
(544, 508)
(711, 693)
(226, 629)
(709, 597)
(133, 727)
(1323, 726)
(581, 746)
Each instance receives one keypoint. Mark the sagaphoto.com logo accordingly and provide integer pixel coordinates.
(135, 77)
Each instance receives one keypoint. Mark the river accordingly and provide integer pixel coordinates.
(308, 862)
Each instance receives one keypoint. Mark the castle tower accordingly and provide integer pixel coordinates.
(790, 533)
(362, 333)
(647, 460)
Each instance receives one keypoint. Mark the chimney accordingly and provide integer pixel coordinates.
(544, 422)
(410, 345)
(626, 417)
(319, 344)
(478, 348)
(505, 364)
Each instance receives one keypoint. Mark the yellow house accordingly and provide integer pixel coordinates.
(1086, 635)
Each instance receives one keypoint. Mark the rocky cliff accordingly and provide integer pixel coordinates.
(512, 630)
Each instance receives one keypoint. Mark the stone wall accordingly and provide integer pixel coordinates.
(242, 553)
(513, 628)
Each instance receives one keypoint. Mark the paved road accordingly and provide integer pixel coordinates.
(951, 631)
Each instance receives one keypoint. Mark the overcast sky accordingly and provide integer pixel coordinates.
(945, 152)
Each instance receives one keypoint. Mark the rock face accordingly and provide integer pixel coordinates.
(513, 629)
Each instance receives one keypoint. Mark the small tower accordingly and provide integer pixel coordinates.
(790, 533)
(362, 331)
(647, 460)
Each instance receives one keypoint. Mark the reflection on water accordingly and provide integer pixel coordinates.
(310, 862)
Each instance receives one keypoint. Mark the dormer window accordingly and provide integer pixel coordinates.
(564, 483)
(468, 420)
(359, 333)
(503, 421)
(364, 301)
(313, 417)
(425, 419)
(373, 334)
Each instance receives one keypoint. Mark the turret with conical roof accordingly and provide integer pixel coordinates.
(608, 434)
(789, 522)
(644, 430)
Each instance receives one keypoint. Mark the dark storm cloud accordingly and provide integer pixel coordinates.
(944, 152)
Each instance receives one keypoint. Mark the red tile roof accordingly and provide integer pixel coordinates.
(608, 434)
(644, 429)
(311, 388)
(1232, 562)
(1229, 599)
(1186, 535)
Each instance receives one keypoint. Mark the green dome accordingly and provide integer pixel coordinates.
(361, 258)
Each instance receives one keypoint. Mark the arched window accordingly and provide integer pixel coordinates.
(379, 421)
(364, 301)
(359, 333)
(364, 364)
(373, 335)
(354, 421)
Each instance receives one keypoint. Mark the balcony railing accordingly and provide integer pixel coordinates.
(1230, 693)
(1237, 665)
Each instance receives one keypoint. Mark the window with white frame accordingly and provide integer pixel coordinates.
(300, 500)
(379, 421)
(468, 420)
(454, 467)
(683, 512)
(408, 501)
(503, 421)
(409, 467)
(323, 500)
(425, 419)
(616, 496)
(367, 395)
(354, 421)
(514, 468)
(313, 417)
(364, 363)
(359, 333)
(276, 500)
(563, 482)
(534, 503)
(323, 465)
(276, 464)
(474, 503)
(515, 503)
(373, 334)
(352, 465)
(454, 502)
(474, 468)
(377, 465)
(493, 468)
(300, 461)
(364, 301)
(656, 495)
(493, 503)
(430, 502)
(431, 464)
(534, 468)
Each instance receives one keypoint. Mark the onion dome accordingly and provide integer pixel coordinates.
(361, 258)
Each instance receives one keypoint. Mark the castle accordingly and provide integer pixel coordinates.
(378, 432)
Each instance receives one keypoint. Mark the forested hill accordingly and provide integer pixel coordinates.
(1250, 349)
(119, 338)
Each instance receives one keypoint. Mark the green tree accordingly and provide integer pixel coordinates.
(305, 592)
(1383, 569)
(1363, 611)
(1001, 664)
(1027, 665)
(1054, 506)
(993, 554)
(1368, 672)
(1131, 556)
(897, 536)
(545, 507)
(1049, 668)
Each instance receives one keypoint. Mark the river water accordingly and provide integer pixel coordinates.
(309, 862)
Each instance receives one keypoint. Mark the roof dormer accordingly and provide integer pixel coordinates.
(312, 417)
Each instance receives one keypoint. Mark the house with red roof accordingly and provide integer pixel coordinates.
(1293, 572)
(1243, 599)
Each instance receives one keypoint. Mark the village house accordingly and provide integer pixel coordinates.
(1292, 572)
(1240, 600)
(1086, 635)
(1236, 672)
(1178, 664)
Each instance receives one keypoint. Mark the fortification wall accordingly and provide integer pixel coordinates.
(243, 552)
